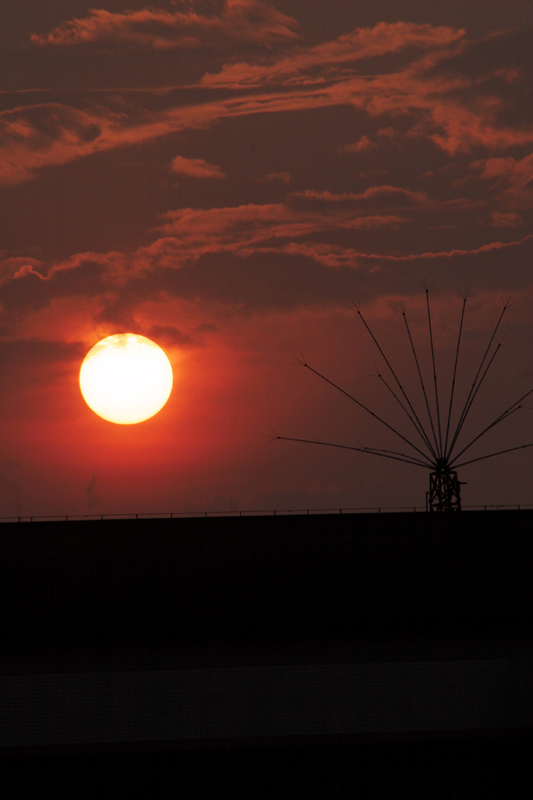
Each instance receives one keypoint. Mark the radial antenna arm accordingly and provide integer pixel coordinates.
(365, 408)
(475, 386)
(465, 298)
(369, 450)
(393, 373)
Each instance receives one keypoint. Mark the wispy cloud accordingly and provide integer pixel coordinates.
(243, 229)
(276, 177)
(384, 196)
(364, 143)
(195, 168)
(210, 248)
(229, 21)
(512, 178)
(326, 62)
(509, 219)
(447, 254)
(445, 107)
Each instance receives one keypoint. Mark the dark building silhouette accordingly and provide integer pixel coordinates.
(386, 648)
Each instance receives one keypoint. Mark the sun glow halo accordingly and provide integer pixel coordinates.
(126, 378)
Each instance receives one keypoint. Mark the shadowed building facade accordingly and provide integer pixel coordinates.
(394, 635)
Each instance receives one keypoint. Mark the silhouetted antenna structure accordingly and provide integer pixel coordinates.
(435, 446)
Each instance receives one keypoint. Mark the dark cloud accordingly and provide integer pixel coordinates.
(39, 135)
(485, 58)
(168, 334)
(246, 285)
(250, 284)
(494, 73)
(29, 290)
(37, 355)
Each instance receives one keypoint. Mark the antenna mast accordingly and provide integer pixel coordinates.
(436, 450)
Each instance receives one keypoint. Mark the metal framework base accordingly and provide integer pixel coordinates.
(444, 490)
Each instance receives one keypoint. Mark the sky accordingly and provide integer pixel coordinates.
(236, 179)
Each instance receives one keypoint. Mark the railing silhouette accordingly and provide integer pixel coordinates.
(254, 513)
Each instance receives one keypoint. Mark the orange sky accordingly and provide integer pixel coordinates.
(228, 177)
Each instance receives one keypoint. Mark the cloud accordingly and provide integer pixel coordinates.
(275, 177)
(303, 64)
(9, 267)
(244, 259)
(335, 256)
(186, 238)
(190, 232)
(251, 283)
(387, 133)
(86, 274)
(496, 168)
(375, 196)
(502, 219)
(446, 254)
(195, 168)
(250, 22)
(41, 135)
(385, 72)
(169, 334)
(287, 275)
(448, 107)
(52, 134)
(364, 143)
(512, 179)
(31, 356)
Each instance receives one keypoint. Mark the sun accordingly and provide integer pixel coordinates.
(126, 378)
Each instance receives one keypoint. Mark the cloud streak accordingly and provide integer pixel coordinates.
(190, 233)
(229, 254)
(250, 22)
(386, 71)
(195, 168)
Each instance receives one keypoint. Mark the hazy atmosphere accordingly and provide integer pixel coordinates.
(234, 179)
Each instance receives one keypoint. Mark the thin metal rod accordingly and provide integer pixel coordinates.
(454, 375)
(493, 424)
(357, 449)
(472, 388)
(421, 432)
(508, 411)
(467, 408)
(357, 402)
(433, 450)
(434, 373)
(491, 455)
(393, 373)
(428, 464)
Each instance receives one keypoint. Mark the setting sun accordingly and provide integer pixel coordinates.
(126, 378)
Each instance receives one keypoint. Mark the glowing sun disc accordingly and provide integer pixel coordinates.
(126, 378)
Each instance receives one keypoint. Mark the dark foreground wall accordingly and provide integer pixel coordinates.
(251, 578)
(288, 629)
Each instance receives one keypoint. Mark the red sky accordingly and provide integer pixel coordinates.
(229, 177)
